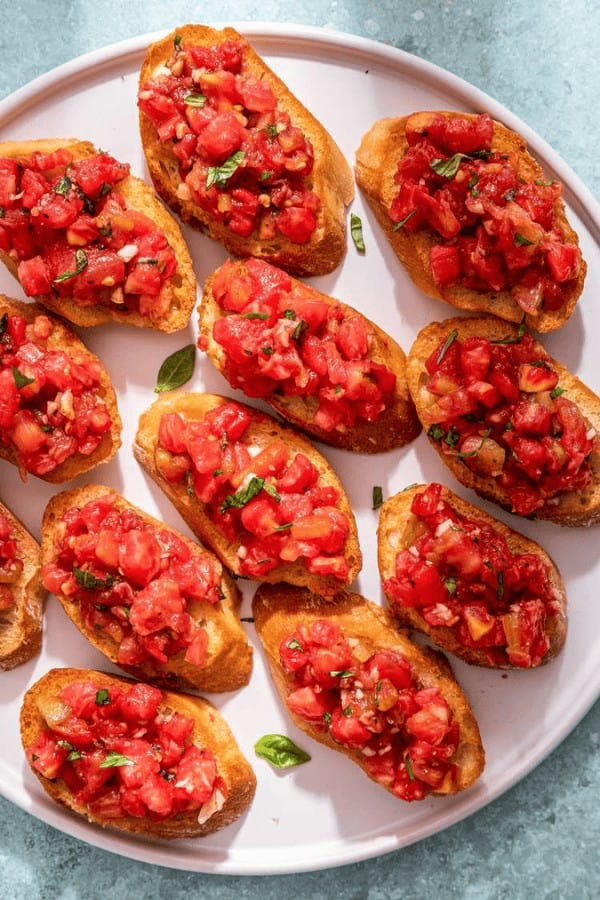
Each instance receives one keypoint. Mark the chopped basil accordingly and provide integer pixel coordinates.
(327, 717)
(452, 437)
(114, 760)
(471, 184)
(294, 645)
(461, 455)
(102, 697)
(106, 230)
(450, 584)
(21, 380)
(280, 751)
(409, 768)
(357, 233)
(241, 498)
(377, 496)
(264, 176)
(177, 42)
(522, 241)
(73, 755)
(289, 314)
(341, 673)
(90, 582)
(299, 331)
(195, 100)
(220, 175)
(268, 351)
(272, 131)
(255, 315)
(541, 183)
(448, 168)
(63, 186)
(557, 391)
(436, 433)
(81, 262)
(347, 711)
(447, 344)
(176, 370)
(403, 221)
(271, 490)
(515, 340)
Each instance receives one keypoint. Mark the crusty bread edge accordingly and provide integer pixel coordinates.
(210, 731)
(228, 663)
(397, 530)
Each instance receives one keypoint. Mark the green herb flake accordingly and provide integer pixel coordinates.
(357, 232)
(241, 498)
(63, 186)
(447, 344)
(102, 697)
(403, 221)
(515, 340)
(521, 240)
(341, 673)
(280, 751)
(220, 175)
(255, 315)
(447, 168)
(81, 262)
(294, 645)
(299, 331)
(450, 584)
(409, 768)
(197, 100)
(541, 183)
(272, 131)
(177, 42)
(264, 176)
(436, 433)
(114, 760)
(327, 718)
(177, 369)
(470, 453)
(289, 314)
(90, 582)
(557, 392)
(347, 711)
(377, 496)
(21, 380)
(271, 490)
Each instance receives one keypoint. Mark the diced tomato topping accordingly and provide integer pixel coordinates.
(498, 407)
(281, 339)
(135, 581)
(73, 235)
(240, 156)
(371, 703)
(136, 760)
(272, 502)
(494, 231)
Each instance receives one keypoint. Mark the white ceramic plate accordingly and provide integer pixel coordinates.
(327, 812)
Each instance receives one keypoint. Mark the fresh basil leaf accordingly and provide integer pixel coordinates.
(452, 437)
(447, 344)
(471, 453)
(341, 673)
(409, 768)
(448, 168)
(522, 241)
(271, 490)
(272, 131)
(268, 351)
(377, 496)
(176, 370)
(450, 584)
(241, 498)
(403, 221)
(289, 314)
(515, 340)
(300, 330)
(295, 645)
(177, 42)
(63, 186)
(436, 433)
(220, 175)
(90, 582)
(114, 760)
(21, 380)
(102, 697)
(255, 315)
(81, 262)
(268, 173)
(357, 232)
(280, 751)
(557, 392)
(197, 100)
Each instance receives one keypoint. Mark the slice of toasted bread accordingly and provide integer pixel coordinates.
(63, 338)
(573, 508)
(399, 528)
(330, 178)
(21, 623)
(377, 159)
(179, 290)
(42, 706)
(261, 432)
(394, 427)
(279, 610)
(228, 660)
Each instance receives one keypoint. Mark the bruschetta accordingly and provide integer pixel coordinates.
(58, 409)
(509, 421)
(320, 364)
(155, 603)
(236, 154)
(21, 592)
(89, 240)
(126, 755)
(255, 491)
(472, 217)
(353, 682)
(475, 587)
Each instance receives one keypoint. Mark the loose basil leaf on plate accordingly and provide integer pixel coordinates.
(280, 751)
(176, 369)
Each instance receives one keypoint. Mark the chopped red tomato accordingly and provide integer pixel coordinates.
(373, 703)
(240, 156)
(495, 232)
(136, 760)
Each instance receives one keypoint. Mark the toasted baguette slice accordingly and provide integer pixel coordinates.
(399, 529)
(394, 427)
(21, 623)
(63, 338)
(42, 708)
(179, 291)
(279, 610)
(262, 431)
(330, 179)
(573, 508)
(228, 659)
(377, 159)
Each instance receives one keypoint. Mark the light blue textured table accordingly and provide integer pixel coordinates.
(541, 59)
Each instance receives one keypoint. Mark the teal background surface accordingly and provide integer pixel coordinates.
(541, 59)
